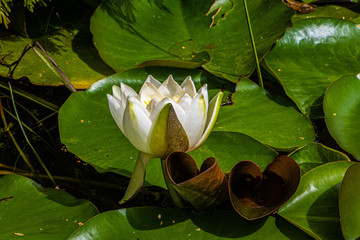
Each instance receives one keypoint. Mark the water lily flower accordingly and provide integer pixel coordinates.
(162, 118)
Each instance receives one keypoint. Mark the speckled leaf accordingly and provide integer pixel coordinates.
(256, 113)
(314, 206)
(311, 56)
(71, 49)
(342, 111)
(28, 211)
(160, 223)
(316, 154)
(332, 11)
(349, 203)
(187, 34)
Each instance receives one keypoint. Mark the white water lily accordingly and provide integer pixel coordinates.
(162, 118)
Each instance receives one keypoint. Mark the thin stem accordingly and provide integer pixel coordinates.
(253, 45)
(33, 98)
(68, 179)
(22, 154)
(137, 177)
(173, 194)
(63, 76)
(27, 139)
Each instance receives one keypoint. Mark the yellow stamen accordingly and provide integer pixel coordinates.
(176, 98)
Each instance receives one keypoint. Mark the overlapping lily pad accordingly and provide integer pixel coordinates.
(256, 113)
(188, 34)
(31, 212)
(160, 223)
(316, 154)
(86, 114)
(332, 11)
(71, 49)
(312, 55)
(349, 203)
(342, 111)
(314, 206)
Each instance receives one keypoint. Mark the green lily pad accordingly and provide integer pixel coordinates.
(316, 154)
(349, 203)
(160, 223)
(89, 131)
(187, 34)
(255, 113)
(335, 1)
(230, 147)
(314, 206)
(332, 11)
(71, 49)
(342, 111)
(311, 56)
(31, 212)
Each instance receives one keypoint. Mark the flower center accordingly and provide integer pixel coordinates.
(176, 98)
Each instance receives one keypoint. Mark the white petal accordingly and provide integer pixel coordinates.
(203, 90)
(153, 81)
(126, 91)
(116, 111)
(136, 124)
(157, 138)
(117, 92)
(189, 87)
(152, 105)
(148, 92)
(170, 88)
(196, 119)
(184, 102)
(214, 108)
(178, 110)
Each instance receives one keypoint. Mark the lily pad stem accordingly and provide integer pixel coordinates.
(253, 45)
(179, 202)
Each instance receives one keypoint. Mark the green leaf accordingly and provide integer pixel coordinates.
(312, 55)
(342, 111)
(89, 131)
(27, 210)
(71, 49)
(256, 113)
(316, 154)
(332, 11)
(160, 223)
(230, 147)
(187, 34)
(349, 203)
(314, 206)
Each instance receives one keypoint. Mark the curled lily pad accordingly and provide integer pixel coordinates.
(204, 188)
(255, 194)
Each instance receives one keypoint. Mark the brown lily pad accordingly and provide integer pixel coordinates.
(255, 194)
(203, 188)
